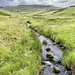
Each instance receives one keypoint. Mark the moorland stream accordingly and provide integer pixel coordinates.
(51, 57)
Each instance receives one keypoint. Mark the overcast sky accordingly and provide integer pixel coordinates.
(58, 3)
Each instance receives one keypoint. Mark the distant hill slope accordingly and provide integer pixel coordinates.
(30, 8)
(4, 13)
(65, 12)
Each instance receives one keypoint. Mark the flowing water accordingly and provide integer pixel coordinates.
(56, 52)
(47, 64)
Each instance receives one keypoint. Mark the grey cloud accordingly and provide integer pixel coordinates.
(58, 3)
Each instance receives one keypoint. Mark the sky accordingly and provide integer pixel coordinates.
(57, 3)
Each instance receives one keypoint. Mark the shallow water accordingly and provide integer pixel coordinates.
(56, 52)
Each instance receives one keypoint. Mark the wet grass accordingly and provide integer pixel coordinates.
(19, 47)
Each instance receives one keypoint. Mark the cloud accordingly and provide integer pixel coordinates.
(58, 3)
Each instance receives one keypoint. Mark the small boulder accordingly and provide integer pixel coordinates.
(59, 61)
(53, 61)
(49, 56)
(56, 70)
(68, 68)
(44, 42)
(48, 49)
(43, 63)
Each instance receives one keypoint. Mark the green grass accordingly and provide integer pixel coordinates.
(66, 12)
(19, 47)
(61, 28)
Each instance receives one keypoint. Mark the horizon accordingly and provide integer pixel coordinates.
(56, 3)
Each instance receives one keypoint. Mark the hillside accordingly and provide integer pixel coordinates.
(30, 8)
(66, 12)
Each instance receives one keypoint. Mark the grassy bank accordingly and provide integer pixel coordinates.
(59, 28)
(19, 46)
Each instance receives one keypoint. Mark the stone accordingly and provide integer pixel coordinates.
(43, 63)
(56, 70)
(44, 42)
(49, 56)
(48, 49)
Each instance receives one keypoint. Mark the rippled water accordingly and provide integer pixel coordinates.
(56, 52)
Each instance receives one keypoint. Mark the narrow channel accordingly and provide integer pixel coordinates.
(51, 57)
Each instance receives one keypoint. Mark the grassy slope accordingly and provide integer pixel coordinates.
(19, 46)
(61, 27)
(66, 12)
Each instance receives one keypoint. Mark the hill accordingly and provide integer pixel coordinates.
(1, 7)
(30, 8)
(66, 12)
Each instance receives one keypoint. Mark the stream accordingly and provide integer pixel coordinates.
(51, 57)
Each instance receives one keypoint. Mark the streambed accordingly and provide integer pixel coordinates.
(51, 66)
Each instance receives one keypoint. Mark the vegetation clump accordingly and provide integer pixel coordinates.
(44, 42)
(48, 49)
(43, 63)
(56, 70)
(18, 46)
(54, 43)
(49, 56)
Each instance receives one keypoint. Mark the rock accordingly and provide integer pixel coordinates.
(53, 61)
(44, 66)
(40, 73)
(44, 42)
(69, 72)
(43, 63)
(59, 61)
(56, 70)
(54, 43)
(49, 56)
(48, 49)
(68, 68)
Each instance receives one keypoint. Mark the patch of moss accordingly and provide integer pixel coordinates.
(48, 49)
(49, 56)
(56, 70)
(43, 63)
(44, 42)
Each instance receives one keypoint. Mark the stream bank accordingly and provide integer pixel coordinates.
(51, 57)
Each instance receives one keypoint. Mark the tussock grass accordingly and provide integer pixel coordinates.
(19, 47)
